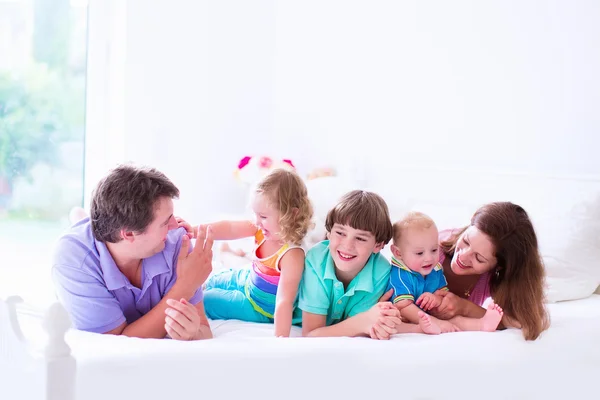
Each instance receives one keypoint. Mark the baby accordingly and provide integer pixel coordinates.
(418, 277)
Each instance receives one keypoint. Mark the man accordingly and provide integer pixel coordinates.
(127, 269)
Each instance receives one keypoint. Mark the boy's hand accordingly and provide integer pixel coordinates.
(427, 301)
(385, 328)
(189, 229)
(380, 321)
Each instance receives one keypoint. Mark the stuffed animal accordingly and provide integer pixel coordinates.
(252, 169)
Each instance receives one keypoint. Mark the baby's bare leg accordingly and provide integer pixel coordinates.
(488, 323)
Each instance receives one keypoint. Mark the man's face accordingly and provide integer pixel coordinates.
(153, 240)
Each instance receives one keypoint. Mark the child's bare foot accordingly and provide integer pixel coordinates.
(492, 317)
(427, 325)
(225, 248)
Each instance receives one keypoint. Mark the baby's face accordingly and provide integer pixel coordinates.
(418, 249)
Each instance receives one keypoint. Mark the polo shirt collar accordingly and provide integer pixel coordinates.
(115, 279)
(361, 282)
(401, 265)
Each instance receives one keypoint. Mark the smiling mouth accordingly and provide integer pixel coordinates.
(461, 265)
(427, 266)
(345, 257)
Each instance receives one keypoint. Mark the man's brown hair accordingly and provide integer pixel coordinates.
(126, 199)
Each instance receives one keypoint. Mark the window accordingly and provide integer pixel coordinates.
(43, 47)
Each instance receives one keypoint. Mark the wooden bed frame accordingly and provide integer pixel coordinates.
(27, 372)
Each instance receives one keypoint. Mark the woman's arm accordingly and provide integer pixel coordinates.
(452, 305)
(291, 266)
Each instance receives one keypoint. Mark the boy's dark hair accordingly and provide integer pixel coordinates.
(126, 199)
(362, 210)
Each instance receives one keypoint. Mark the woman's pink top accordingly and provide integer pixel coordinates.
(481, 291)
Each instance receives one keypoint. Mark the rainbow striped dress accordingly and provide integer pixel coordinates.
(263, 279)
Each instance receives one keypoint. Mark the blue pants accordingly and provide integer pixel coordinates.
(224, 297)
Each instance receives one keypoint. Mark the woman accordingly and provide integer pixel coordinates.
(495, 256)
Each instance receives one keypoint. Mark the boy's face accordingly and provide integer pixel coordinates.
(418, 249)
(351, 248)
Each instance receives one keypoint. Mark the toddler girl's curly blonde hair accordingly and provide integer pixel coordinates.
(286, 191)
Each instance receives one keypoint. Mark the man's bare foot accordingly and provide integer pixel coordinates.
(492, 317)
(427, 325)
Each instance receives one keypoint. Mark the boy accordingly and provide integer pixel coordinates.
(345, 276)
(417, 278)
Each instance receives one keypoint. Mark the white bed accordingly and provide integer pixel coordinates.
(244, 360)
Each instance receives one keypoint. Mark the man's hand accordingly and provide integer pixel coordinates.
(427, 301)
(182, 321)
(195, 267)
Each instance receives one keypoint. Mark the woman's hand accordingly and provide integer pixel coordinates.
(450, 306)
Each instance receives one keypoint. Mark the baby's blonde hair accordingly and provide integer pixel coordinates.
(286, 191)
(413, 219)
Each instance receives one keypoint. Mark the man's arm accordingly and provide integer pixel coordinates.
(193, 267)
(152, 325)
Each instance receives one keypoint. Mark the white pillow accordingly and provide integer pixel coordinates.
(570, 247)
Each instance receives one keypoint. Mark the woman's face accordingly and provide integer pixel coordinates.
(474, 254)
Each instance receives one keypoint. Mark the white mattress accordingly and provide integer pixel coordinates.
(244, 360)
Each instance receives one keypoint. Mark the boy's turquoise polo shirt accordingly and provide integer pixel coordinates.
(322, 293)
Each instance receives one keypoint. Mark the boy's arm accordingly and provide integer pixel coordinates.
(313, 325)
(292, 267)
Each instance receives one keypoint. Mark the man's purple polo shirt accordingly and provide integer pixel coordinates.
(96, 294)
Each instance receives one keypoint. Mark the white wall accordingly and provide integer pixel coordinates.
(378, 88)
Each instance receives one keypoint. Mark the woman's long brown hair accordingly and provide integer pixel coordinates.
(517, 281)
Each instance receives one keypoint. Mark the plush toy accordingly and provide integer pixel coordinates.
(252, 169)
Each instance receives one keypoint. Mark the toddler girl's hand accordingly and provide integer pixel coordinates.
(427, 301)
(189, 229)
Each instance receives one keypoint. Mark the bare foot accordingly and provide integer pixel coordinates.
(427, 325)
(227, 249)
(492, 317)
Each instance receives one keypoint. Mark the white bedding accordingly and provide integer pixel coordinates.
(244, 360)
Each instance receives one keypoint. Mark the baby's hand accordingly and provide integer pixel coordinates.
(427, 301)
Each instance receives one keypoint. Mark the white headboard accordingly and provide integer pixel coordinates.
(29, 372)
